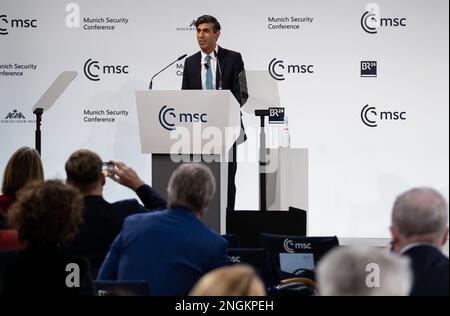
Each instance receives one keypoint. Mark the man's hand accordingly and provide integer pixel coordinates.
(125, 175)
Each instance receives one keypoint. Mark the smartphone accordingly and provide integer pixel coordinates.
(107, 168)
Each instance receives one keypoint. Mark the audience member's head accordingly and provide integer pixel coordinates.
(363, 271)
(419, 215)
(192, 186)
(23, 167)
(46, 213)
(84, 170)
(234, 280)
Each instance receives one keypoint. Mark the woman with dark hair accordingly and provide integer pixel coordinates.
(23, 167)
(45, 215)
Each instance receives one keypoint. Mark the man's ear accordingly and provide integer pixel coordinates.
(444, 236)
(102, 179)
(393, 232)
(217, 35)
(395, 237)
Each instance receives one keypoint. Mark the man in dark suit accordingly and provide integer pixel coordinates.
(102, 221)
(419, 229)
(214, 67)
(171, 249)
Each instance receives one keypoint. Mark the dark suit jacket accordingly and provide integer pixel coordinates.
(430, 271)
(231, 65)
(170, 249)
(42, 271)
(103, 221)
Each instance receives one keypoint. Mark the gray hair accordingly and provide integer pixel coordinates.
(192, 186)
(420, 211)
(363, 271)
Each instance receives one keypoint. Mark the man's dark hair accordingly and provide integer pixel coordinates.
(84, 169)
(208, 19)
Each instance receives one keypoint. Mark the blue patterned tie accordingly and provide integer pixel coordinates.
(208, 83)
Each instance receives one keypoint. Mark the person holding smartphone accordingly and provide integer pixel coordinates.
(103, 220)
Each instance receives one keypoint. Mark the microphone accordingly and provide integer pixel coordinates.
(220, 70)
(151, 80)
(206, 66)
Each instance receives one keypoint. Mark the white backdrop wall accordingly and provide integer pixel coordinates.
(355, 172)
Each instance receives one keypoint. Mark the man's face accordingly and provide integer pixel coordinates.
(206, 37)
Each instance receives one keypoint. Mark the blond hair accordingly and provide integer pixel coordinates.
(234, 280)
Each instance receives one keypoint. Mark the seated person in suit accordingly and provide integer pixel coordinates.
(235, 280)
(170, 249)
(24, 166)
(363, 271)
(103, 220)
(419, 229)
(45, 215)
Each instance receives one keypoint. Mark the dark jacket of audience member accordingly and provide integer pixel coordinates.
(430, 269)
(44, 215)
(103, 221)
(170, 249)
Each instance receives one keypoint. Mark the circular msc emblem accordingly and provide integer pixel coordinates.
(163, 113)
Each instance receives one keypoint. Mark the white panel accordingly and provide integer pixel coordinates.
(355, 171)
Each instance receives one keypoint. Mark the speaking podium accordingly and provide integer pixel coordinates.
(190, 126)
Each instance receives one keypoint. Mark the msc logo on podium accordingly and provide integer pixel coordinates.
(165, 113)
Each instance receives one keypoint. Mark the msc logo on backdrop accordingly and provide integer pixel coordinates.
(290, 245)
(278, 69)
(166, 122)
(6, 24)
(371, 20)
(371, 117)
(368, 68)
(93, 70)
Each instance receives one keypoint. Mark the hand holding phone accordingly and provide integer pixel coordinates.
(125, 175)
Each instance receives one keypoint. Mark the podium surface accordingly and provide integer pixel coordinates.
(190, 126)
